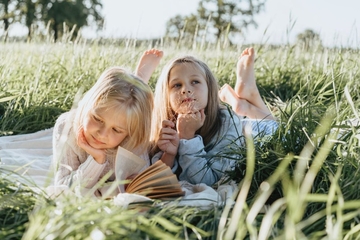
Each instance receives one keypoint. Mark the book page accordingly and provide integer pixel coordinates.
(173, 188)
(157, 166)
(165, 196)
(126, 164)
(161, 173)
(159, 194)
(157, 170)
(168, 180)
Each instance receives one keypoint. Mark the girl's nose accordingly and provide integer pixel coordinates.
(185, 91)
(102, 133)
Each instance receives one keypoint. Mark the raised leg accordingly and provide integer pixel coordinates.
(148, 63)
(245, 86)
(242, 107)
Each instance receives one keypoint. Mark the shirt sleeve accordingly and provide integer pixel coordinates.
(87, 174)
(201, 166)
(158, 156)
(68, 165)
(259, 128)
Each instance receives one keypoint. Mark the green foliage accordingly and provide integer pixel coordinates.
(16, 202)
(308, 38)
(35, 88)
(215, 20)
(87, 217)
(60, 16)
(302, 183)
(8, 14)
(70, 13)
(319, 98)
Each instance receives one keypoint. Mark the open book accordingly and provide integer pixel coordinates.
(156, 181)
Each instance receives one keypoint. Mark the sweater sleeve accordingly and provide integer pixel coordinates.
(201, 166)
(71, 164)
(158, 156)
(259, 128)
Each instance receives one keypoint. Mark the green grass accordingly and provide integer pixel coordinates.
(303, 183)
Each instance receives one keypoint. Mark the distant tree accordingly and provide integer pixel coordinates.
(308, 39)
(9, 12)
(219, 18)
(28, 12)
(72, 13)
(182, 26)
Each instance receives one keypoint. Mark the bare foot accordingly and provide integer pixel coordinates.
(228, 95)
(245, 85)
(147, 64)
(242, 107)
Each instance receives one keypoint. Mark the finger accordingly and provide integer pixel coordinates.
(163, 145)
(167, 124)
(167, 131)
(185, 115)
(185, 109)
(203, 116)
(196, 116)
(81, 138)
(81, 135)
(166, 137)
(163, 142)
(83, 144)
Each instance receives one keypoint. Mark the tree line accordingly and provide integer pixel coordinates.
(52, 14)
(214, 19)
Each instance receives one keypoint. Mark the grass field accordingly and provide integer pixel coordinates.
(303, 183)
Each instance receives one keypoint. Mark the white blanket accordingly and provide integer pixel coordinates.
(30, 156)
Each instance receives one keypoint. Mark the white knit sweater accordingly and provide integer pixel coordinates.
(72, 163)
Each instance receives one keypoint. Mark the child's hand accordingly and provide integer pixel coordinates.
(189, 123)
(169, 138)
(98, 154)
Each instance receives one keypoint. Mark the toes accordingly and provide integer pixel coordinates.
(251, 51)
(159, 53)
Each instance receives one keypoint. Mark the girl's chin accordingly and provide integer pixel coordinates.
(102, 147)
(185, 110)
(96, 146)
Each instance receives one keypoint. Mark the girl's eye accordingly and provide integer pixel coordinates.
(116, 130)
(195, 81)
(176, 85)
(96, 118)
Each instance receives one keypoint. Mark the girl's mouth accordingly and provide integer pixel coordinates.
(97, 141)
(186, 100)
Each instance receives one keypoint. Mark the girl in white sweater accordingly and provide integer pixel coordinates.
(116, 111)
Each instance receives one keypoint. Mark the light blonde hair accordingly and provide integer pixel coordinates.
(130, 95)
(163, 110)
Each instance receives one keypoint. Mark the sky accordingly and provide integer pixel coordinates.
(336, 21)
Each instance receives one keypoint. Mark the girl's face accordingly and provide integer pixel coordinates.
(105, 128)
(188, 90)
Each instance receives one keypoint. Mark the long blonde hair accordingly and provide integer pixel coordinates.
(119, 88)
(163, 110)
